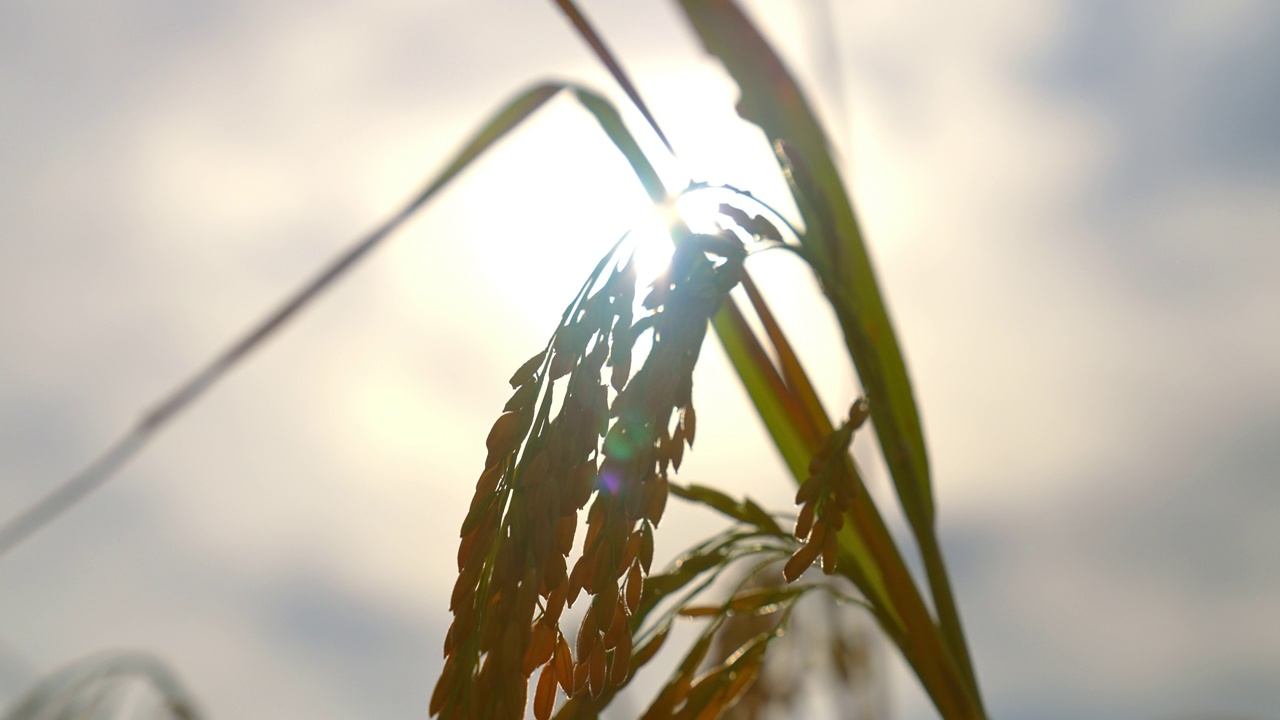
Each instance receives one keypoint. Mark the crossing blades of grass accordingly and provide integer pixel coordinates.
(772, 100)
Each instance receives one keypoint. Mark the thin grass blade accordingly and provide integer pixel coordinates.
(745, 511)
(610, 61)
(792, 372)
(87, 678)
(772, 100)
(783, 415)
(611, 121)
(69, 492)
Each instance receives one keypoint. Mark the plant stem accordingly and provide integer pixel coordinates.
(945, 604)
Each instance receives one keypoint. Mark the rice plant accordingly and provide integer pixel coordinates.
(609, 442)
(600, 418)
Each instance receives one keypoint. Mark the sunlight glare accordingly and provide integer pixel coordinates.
(650, 243)
(650, 248)
(701, 211)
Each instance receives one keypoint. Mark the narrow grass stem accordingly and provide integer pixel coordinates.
(610, 61)
(945, 605)
(924, 647)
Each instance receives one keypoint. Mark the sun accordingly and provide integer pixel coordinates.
(538, 212)
(649, 241)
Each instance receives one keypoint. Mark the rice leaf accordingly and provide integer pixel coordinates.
(717, 689)
(746, 510)
(85, 680)
(783, 416)
(760, 600)
(792, 373)
(711, 554)
(772, 100)
(598, 46)
(607, 115)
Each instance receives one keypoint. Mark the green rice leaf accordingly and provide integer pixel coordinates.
(793, 373)
(607, 115)
(714, 553)
(771, 99)
(745, 510)
(782, 414)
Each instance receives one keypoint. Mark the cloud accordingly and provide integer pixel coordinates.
(1071, 208)
(1147, 594)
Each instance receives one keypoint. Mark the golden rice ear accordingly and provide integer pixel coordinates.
(489, 479)
(587, 634)
(544, 699)
(635, 584)
(526, 374)
(621, 372)
(522, 398)
(620, 666)
(830, 551)
(480, 505)
(804, 521)
(580, 672)
(576, 581)
(465, 548)
(564, 665)
(541, 646)
(520, 530)
(802, 558)
(620, 627)
(809, 489)
(555, 604)
(566, 527)
(561, 364)
(688, 424)
(583, 481)
(501, 437)
(465, 585)
(656, 504)
(605, 604)
(629, 551)
(645, 554)
(536, 471)
(596, 671)
(444, 686)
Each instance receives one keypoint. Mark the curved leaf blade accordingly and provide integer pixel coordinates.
(772, 100)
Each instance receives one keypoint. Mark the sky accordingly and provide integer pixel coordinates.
(1070, 206)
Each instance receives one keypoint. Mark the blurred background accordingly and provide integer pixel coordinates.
(1072, 207)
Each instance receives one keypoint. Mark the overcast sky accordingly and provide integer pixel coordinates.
(1072, 207)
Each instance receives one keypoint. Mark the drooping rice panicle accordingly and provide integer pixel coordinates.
(546, 464)
(825, 498)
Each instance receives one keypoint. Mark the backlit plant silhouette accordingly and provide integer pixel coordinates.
(583, 432)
